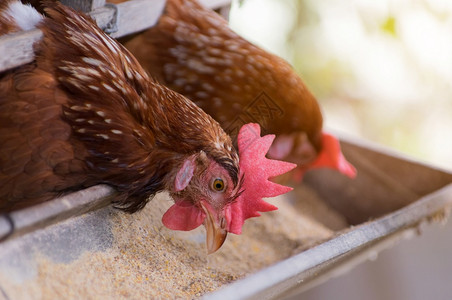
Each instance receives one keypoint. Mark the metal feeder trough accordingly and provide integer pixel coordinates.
(395, 193)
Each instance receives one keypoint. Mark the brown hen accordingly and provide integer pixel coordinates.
(194, 52)
(86, 113)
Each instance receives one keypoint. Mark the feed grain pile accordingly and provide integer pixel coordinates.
(146, 260)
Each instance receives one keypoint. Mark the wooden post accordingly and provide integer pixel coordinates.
(138, 15)
(224, 11)
(221, 6)
(84, 5)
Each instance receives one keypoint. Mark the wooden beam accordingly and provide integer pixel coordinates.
(133, 16)
(130, 17)
(17, 49)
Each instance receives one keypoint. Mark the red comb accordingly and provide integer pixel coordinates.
(330, 157)
(256, 169)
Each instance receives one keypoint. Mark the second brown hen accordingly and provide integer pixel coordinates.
(193, 51)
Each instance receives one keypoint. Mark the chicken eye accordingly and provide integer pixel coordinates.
(218, 185)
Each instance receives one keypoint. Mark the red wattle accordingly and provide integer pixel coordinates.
(183, 216)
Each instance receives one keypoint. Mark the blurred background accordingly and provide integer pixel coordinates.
(382, 71)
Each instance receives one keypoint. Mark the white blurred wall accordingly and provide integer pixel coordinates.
(382, 70)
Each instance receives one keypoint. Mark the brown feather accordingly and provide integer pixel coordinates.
(87, 113)
(194, 52)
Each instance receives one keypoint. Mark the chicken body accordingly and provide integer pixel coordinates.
(194, 52)
(86, 113)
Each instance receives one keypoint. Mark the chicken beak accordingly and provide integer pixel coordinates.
(216, 233)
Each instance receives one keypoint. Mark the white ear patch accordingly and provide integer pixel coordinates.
(25, 16)
(185, 174)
